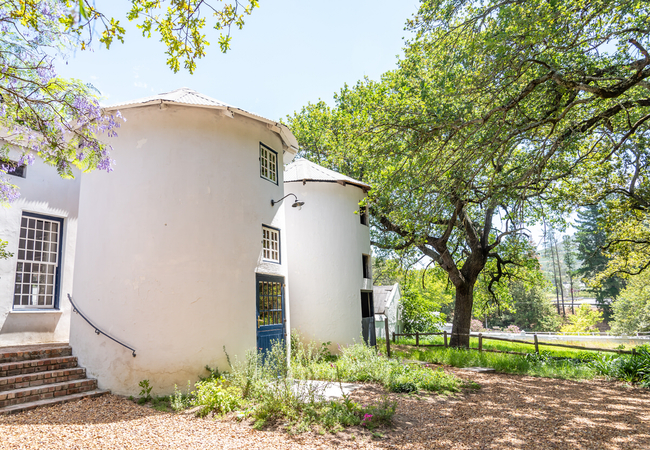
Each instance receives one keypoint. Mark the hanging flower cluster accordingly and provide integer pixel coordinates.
(40, 113)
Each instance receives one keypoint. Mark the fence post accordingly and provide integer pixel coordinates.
(387, 338)
(394, 341)
(417, 338)
(444, 333)
(480, 342)
(536, 344)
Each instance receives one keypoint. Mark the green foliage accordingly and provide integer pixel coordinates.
(632, 309)
(425, 292)
(631, 368)
(179, 401)
(628, 242)
(4, 254)
(181, 26)
(216, 395)
(591, 238)
(419, 305)
(584, 320)
(534, 311)
(497, 109)
(263, 388)
(379, 414)
(145, 392)
(307, 351)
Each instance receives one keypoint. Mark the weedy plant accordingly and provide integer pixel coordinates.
(633, 368)
(262, 387)
(145, 393)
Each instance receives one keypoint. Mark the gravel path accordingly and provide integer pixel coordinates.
(508, 412)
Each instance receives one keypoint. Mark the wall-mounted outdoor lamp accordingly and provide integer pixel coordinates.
(297, 204)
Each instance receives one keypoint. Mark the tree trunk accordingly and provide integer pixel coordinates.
(571, 281)
(557, 293)
(559, 273)
(462, 314)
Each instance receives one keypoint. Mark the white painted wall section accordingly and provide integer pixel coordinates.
(44, 192)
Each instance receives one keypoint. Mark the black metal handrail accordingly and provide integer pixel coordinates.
(97, 330)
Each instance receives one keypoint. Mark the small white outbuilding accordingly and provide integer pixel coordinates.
(329, 256)
(387, 307)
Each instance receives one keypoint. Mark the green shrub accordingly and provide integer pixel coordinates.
(216, 395)
(631, 368)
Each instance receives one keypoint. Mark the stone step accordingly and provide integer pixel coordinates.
(41, 378)
(51, 401)
(34, 394)
(31, 352)
(38, 365)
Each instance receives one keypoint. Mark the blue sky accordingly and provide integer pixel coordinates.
(289, 53)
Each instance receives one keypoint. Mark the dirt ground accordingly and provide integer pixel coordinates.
(508, 412)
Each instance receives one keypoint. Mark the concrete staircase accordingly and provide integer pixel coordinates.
(41, 375)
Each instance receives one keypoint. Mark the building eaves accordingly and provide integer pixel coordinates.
(192, 98)
(303, 170)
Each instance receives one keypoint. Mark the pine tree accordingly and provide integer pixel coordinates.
(591, 239)
(568, 245)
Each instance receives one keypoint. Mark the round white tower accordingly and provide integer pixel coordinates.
(329, 256)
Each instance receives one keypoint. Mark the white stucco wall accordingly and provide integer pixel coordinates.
(169, 244)
(326, 243)
(43, 191)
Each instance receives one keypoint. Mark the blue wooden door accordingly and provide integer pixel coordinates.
(270, 311)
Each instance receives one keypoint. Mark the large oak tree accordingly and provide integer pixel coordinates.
(499, 113)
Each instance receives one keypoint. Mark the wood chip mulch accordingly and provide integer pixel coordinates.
(508, 412)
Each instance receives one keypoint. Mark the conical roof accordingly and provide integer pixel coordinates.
(189, 97)
(303, 170)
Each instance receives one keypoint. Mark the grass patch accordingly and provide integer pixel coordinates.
(359, 363)
(551, 362)
(544, 366)
(511, 346)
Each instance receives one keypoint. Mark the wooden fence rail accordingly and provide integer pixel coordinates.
(480, 337)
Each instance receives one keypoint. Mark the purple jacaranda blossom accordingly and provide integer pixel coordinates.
(8, 192)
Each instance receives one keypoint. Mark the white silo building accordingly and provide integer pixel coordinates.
(329, 256)
(180, 252)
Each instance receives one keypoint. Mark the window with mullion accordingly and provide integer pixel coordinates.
(268, 164)
(271, 244)
(37, 268)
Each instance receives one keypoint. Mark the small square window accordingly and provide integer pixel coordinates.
(268, 164)
(271, 244)
(363, 214)
(13, 168)
(367, 268)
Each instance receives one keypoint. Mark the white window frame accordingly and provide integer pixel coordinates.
(271, 244)
(36, 285)
(268, 164)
